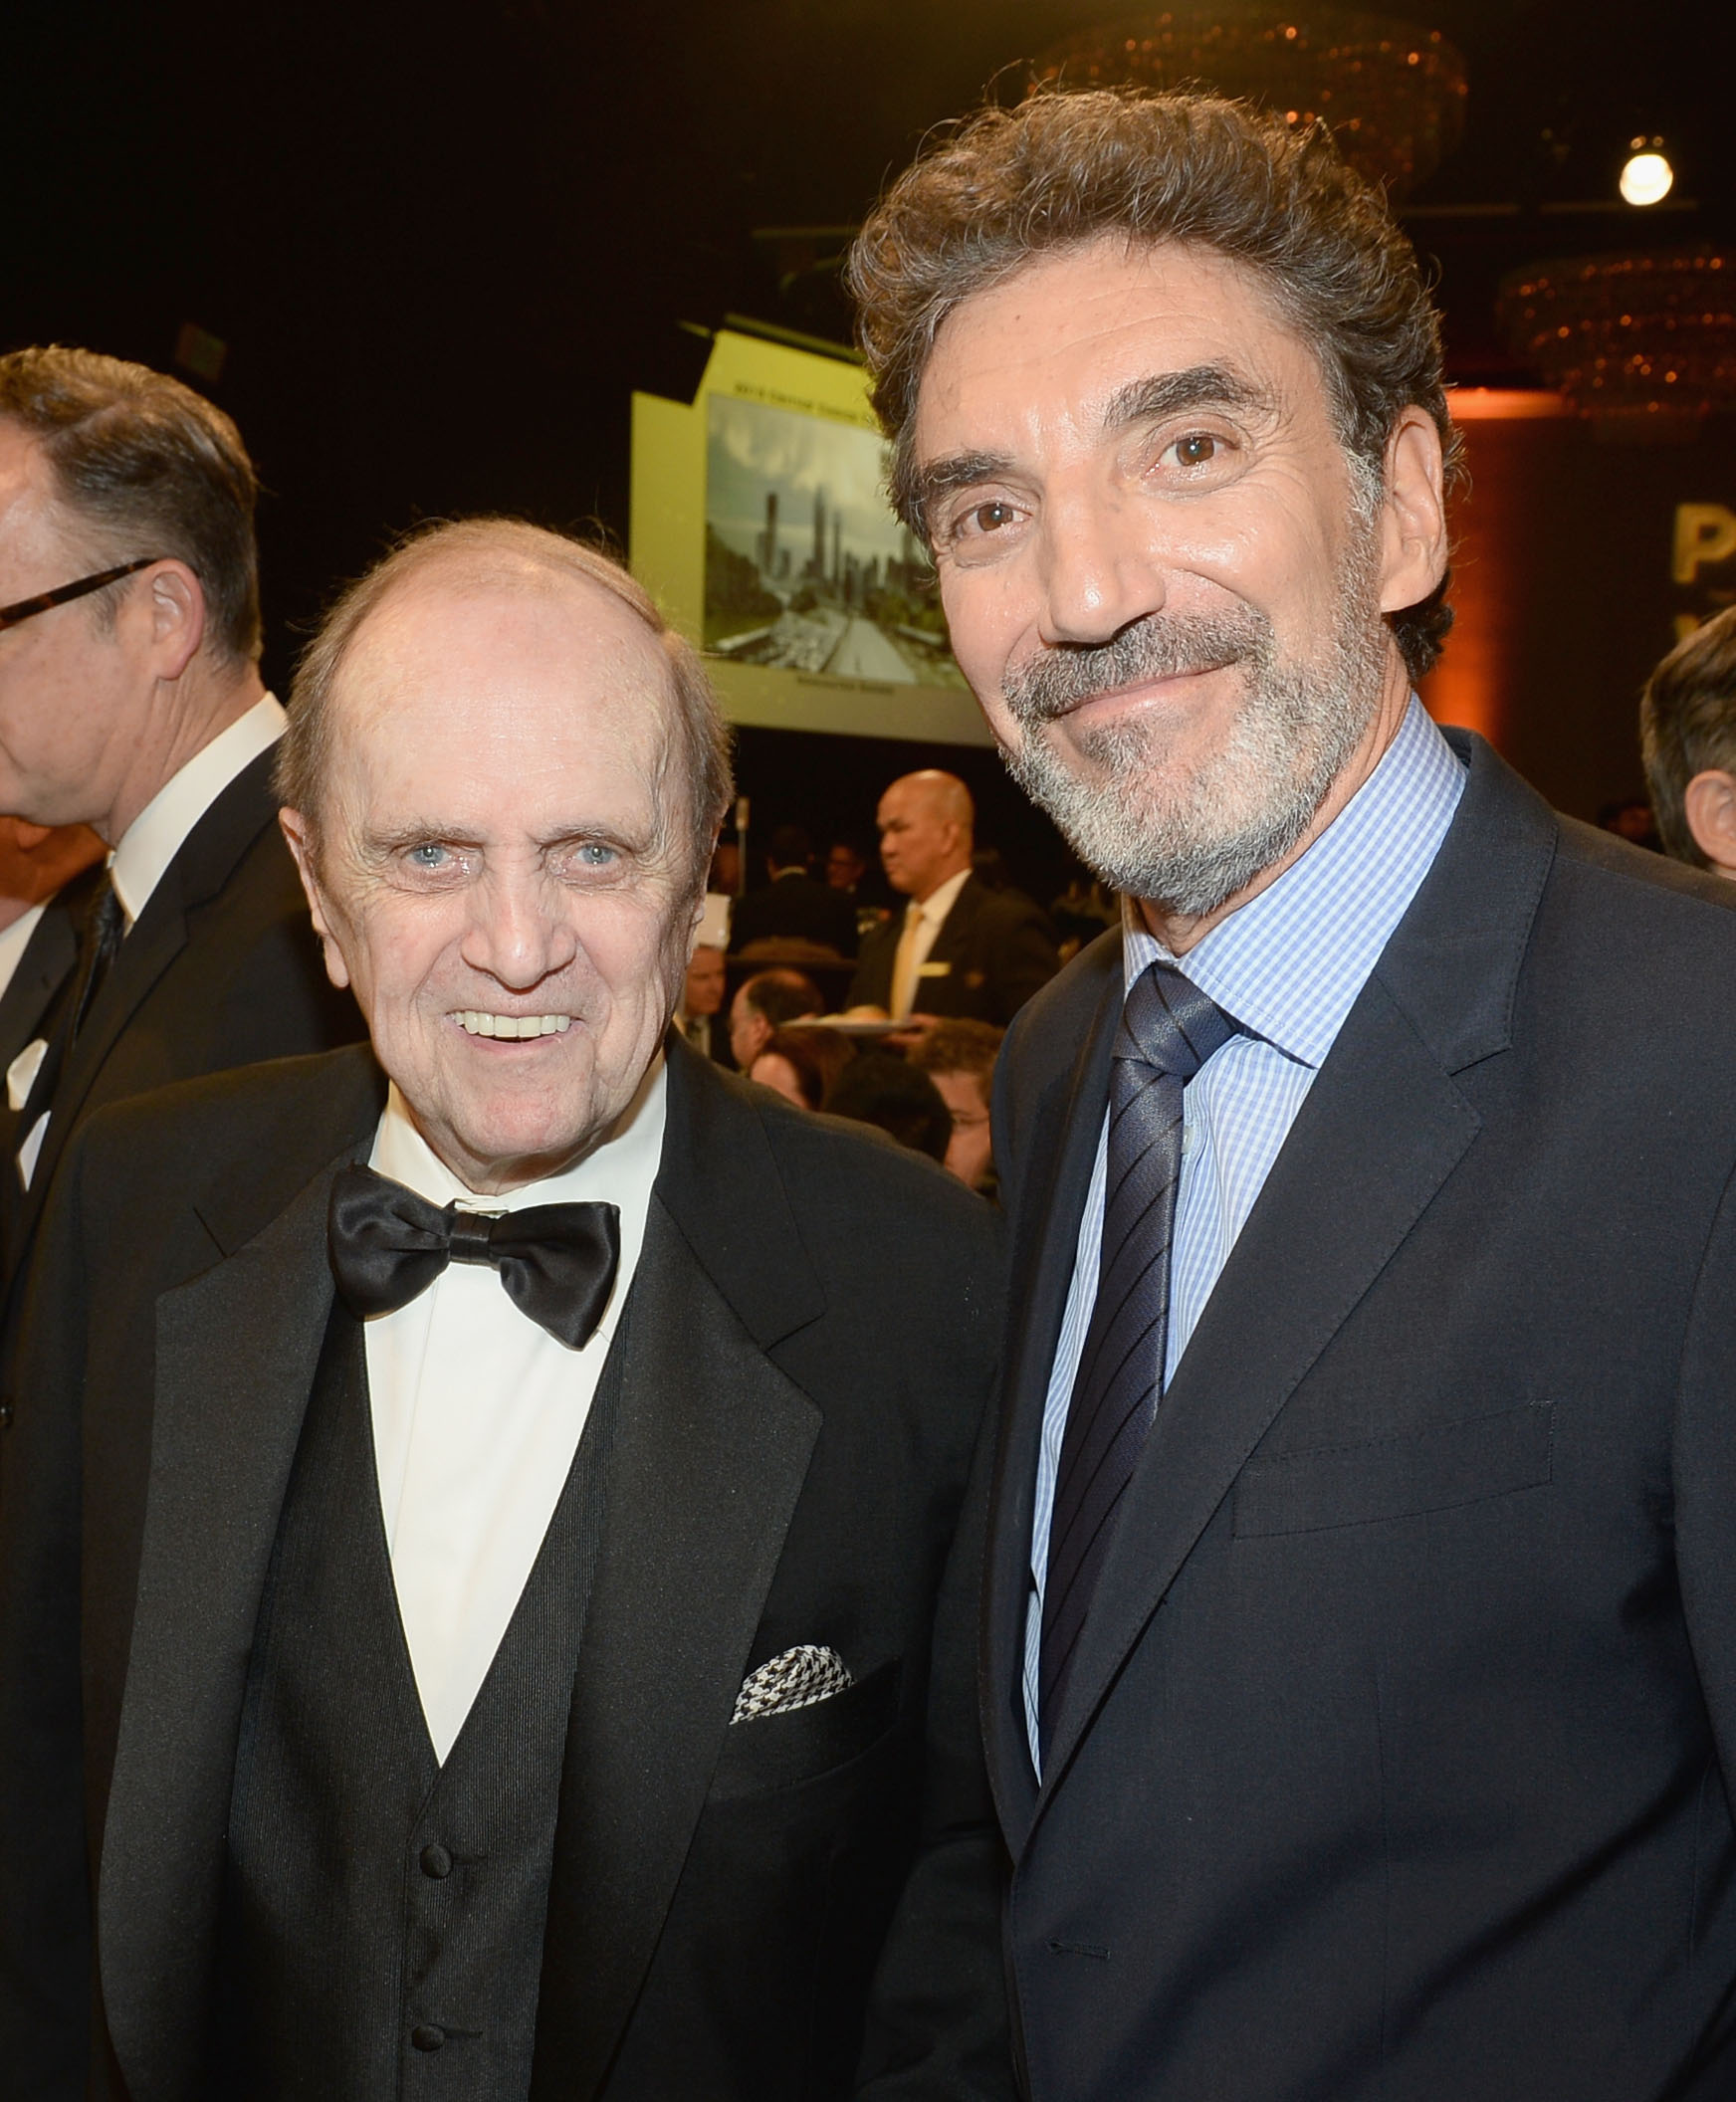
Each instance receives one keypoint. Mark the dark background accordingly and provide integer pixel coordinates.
(444, 244)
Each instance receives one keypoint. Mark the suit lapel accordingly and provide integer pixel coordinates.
(707, 1462)
(206, 860)
(1383, 1127)
(1062, 1150)
(237, 1350)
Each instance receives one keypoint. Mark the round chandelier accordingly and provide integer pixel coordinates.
(1642, 339)
(1393, 94)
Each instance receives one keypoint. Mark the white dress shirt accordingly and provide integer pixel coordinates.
(141, 860)
(922, 923)
(478, 1411)
(1288, 966)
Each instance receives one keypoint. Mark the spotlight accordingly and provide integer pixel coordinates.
(1646, 176)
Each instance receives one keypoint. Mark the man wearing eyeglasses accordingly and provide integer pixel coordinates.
(131, 700)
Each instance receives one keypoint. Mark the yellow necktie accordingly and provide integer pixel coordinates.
(904, 964)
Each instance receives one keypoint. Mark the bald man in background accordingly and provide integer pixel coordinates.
(961, 949)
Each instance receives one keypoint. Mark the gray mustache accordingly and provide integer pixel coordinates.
(1161, 646)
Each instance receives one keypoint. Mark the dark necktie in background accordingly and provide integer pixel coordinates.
(1168, 1029)
(556, 1261)
(99, 944)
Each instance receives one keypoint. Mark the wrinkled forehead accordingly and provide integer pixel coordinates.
(526, 676)
(1078, 321)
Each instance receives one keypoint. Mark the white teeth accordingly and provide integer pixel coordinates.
(476, 1023)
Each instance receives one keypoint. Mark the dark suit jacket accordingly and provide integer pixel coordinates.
(221, 969)
(45, 966)
(787, 1468)
(1398, 1756)
(798, 908)
(994, 950)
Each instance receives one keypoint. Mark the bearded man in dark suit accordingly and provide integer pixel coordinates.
(1361, 1640)
(519, 1641)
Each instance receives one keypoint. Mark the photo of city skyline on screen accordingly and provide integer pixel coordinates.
(806, 565)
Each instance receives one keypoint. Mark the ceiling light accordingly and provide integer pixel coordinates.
(1646, 178)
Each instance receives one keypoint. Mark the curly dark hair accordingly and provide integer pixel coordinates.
(1062, 169)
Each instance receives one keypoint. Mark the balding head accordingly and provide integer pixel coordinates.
(926, 825)
(480, 558)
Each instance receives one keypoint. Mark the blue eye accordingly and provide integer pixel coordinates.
(594, 854)
(429, 855)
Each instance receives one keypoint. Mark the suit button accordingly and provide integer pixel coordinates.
(5, 1415)
(427, 2036)
(436, 1861)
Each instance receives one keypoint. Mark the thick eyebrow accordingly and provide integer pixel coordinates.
(1173, 394)
(1140, 401)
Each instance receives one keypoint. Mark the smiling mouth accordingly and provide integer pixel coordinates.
(1137, 689)
(475, 1022)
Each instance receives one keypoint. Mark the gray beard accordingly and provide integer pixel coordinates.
(1188, 844)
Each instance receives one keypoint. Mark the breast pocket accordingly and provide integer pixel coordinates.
(800, 1744)
(1437, 1469)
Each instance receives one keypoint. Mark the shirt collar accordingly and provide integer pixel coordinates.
(157, 834)
(1289, 964)
(938, 904)
(625, 1164)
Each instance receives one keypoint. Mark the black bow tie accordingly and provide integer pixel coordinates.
(556, 1261)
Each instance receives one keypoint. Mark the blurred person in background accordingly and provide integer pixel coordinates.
(959, 947)
(765, 1002)
(958, 1057)
(802, 1065)
(792, 906)
(1687, 733)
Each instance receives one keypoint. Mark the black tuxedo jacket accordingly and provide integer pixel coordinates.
(994, 950)
(787, 1468)
(796, 906)
(221, 969)
(1398, 1756)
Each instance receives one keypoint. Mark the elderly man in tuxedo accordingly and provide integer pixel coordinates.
(519, 1642)
(1361, 1637)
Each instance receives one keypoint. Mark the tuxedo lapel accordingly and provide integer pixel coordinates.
(1060, 1153)
(237, 1350)
(1383, 1127)
(709, 1457)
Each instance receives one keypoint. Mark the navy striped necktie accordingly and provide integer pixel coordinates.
(1168, 1029)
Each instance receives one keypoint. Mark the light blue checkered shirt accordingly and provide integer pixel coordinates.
(1288, 965)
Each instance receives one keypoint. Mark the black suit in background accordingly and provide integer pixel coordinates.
(994, 950)
(1397, 1754)
(221, 969)
(786, 1468)
(793, 907)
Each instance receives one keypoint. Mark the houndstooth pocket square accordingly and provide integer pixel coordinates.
(797, 1679)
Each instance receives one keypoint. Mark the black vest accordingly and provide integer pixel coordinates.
(381, 1932)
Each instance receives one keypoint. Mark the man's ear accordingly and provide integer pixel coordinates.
(1414, 544)
(299, 836)
(1710, 805)
(176, 606)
